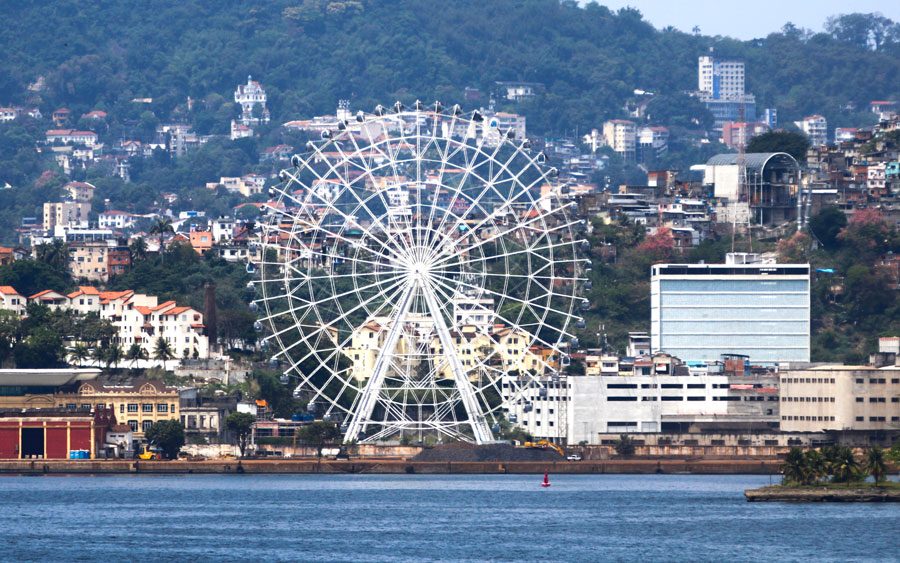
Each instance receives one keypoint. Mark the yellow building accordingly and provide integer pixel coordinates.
(138, 404)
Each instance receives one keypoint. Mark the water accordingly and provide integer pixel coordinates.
(411, 517)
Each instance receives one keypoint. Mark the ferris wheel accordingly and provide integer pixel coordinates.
(419, 270)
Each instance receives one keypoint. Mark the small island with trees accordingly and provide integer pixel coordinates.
(833, 474)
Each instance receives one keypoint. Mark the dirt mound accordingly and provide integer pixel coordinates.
(487, 452)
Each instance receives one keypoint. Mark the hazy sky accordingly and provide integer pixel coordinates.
(750, 18)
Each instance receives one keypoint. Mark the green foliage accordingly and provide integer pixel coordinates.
(278, 395)
(875, 464)
(826, 225)
(241, 425)
(624, 445)
(318, 434)
(32, 276)
(168, 435)
(795, 144)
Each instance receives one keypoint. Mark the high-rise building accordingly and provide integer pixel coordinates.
(698, 312)
(721, 79)
(721, 86)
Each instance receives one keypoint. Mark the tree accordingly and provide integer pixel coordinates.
(318, 434)
(867, 234)
(241, 423)
(826, 225)
(41, 349)
(55, 254)
(793, 469)
(624, 445)
(138, 249)
(795, 144)
(112, 355)
(79, 353)
(841, 464)
(135, 353)
(168, 435)
(162, 350)
(161, 228)
(875, 464)
(794, 250)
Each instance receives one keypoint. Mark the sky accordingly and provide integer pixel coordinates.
(749, 19)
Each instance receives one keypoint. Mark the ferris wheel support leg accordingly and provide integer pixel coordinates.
(366, 405)
(477, 420)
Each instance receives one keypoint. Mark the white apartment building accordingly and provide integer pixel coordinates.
(248, 185)
(71, 136)
(113, 219)
(698, 312)
(80, 191)
(621, 136)
(816, 128)
(720, 79)
(11, 300)
(137, 318)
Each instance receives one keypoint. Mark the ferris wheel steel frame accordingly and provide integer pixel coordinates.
(387, 225)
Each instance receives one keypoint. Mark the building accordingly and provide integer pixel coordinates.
(815, 127)
(720, 85)
(841, 398)
(66, 213)
(518, 91)
(89, 260)
(80, 191)
(138, 403)
(10, 300)
(113, 219)
(698, 312)
(737, 134)
(71, 137)
(652, 142)
(56, 433)
(765, 184)
(621, 136)
(248, 185)
(252, 98)
(721, 79)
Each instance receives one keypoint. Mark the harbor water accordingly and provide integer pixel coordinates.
(413, 517)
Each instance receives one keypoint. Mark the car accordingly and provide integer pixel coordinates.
(573, 457)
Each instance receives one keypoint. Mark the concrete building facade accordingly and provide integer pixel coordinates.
(698, 312)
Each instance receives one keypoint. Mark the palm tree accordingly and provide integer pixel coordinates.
(162, 350)
(793, 469)
(842, 464)
(161, 228)
(814, 467)
(875, 464)
(138, 249)
(113, 355)
(79, 353)
(135, 353)
(55, 254)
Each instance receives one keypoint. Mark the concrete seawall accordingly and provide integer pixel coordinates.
(375, 466)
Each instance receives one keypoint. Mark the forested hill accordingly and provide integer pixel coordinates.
(309, 53)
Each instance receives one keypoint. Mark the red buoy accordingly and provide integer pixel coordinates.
(546, 482)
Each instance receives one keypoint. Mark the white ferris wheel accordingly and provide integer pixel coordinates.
(419, 270)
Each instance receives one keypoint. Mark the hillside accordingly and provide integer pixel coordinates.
(310, 53)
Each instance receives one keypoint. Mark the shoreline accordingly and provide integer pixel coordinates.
(855, 493)
(391, 467)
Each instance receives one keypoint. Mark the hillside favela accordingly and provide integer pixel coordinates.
(417, 280)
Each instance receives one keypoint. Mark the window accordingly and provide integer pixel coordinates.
(860, 419)
(162, 407)
(132, 407)
(697, 399)
(133, 425)
(70, 405)
(672, 399)
(147, 407)
(621, 398)
(146, 425)
(859, 399)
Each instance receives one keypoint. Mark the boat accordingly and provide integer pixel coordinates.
(546, 482)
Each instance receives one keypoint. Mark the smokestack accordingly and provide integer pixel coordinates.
(212, 322)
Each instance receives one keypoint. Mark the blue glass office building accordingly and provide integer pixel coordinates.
(701, 311)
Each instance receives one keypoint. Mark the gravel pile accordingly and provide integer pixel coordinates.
(487, 452)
